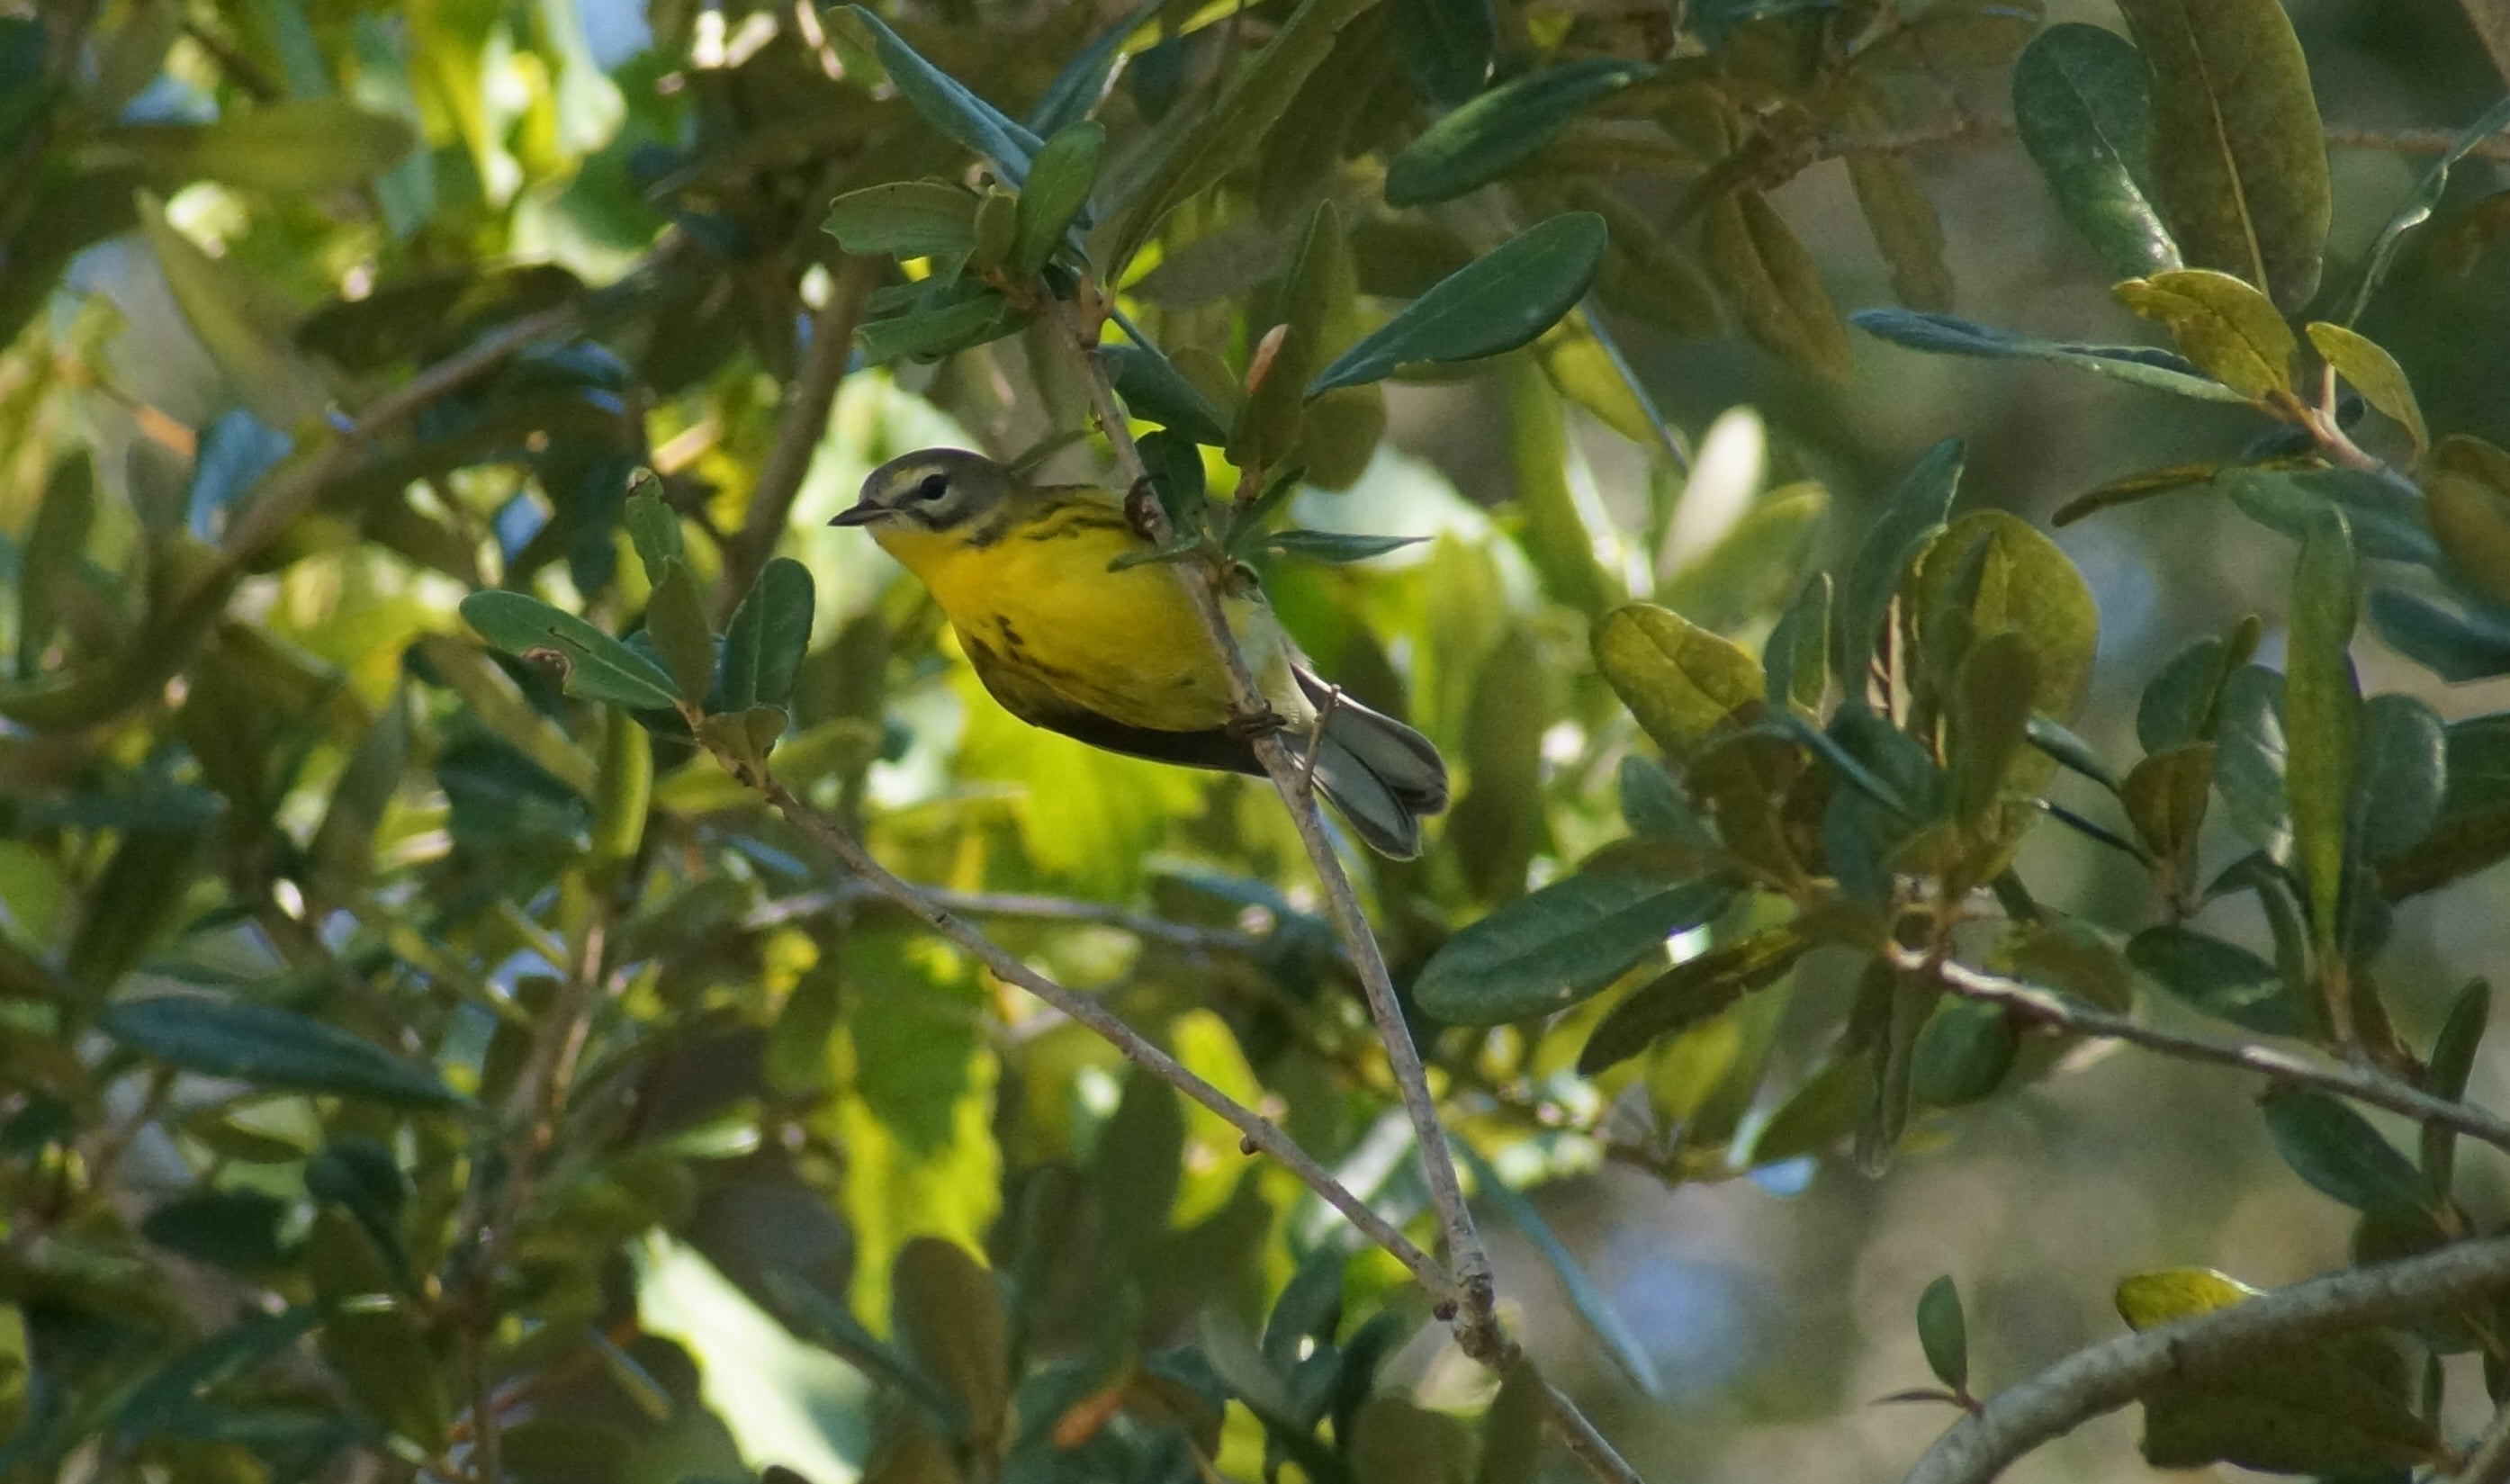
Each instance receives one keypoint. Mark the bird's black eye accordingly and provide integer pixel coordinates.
(933, 487)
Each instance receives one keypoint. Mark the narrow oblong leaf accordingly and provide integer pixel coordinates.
(270, 1047)
(2338, 1152)
(1989, 721)
(1056, 196)
(2402, 776)
(1502, 129)
(2452, 1061)
(675, 620)
(2323, 712)
(945, 102)
(951, 1322)
(655, 529)
(1156, 390)
(2221, 978)
(1905, 227)
(1501, 300)
(1336, 548)
(905, 218)
(591, 663)
(1795, 661)
(2240, 156)
(1446, 47)
(1689, 993)
(768, 636)
(1771, 284)
(2139, 365)
(1915, 515)
(2388, 523)
(1593, 1303)
(2418, 205)
(1944, 1333)
(2084, 110)
(1549, 949)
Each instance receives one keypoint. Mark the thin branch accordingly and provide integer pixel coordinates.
(1585, 1442)
(1185, 937)
(2490, 1463)
(1976, 130)
(2108, 1376)
(1476, 1296)
(2360, 1083)
(799, 427)
(1258, 1131)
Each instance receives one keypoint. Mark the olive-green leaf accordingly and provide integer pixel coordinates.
(931, 334)
(943, 100)
(905, 218)
(1944, 1333)
(1680, 680)
(269, 1047)
(1551, 948)
(1446, 46)
(297, 146)
(241, 320)
(590, 663)
(2219, 977)
(2164, 797)
(1502, 129)
(675, 620)
(1906, 229)
(1501, 300)
(1795, 660)
(655, 529)
(950, 1320)
(1156, 390)
(2338, 1152)
(2402, 776)
(1057, 193)
(1771, 284)
(2375, 373)
(2239, 158)
(1999, 572)
(1989, 721)
(2229, 329)
(2452, 1061)
(2470, 520)
(768, 634)
(1189, 160)
(2084, 110)
(2143, 365)
(2323, 716)
(1689, 993)
(1898, 535)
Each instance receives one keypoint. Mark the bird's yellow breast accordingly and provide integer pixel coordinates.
(1036, 595)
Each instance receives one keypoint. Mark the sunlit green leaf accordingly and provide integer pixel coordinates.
(588, 661)
(1498, 302)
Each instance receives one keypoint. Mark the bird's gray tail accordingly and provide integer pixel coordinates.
(1381, 773)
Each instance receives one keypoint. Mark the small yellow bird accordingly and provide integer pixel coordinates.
(1116, 658)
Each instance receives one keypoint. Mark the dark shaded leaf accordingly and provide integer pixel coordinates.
(1944, 1333)
(1501, 129)
(2456, 646)
(1057, 195)
(1446, 47)
(945, 102)
(1496, 303)
(905, 220)
(2337, 1150)
(1912, 518)
(2085, 111)
(1153, 388)
(1689, 993)
(1548, 950)
(951, 1322)
(2402, 776)
(1944, 335)
(588, 661)
(1336, 548)
(2452, 1061)
(270, 1047)
(2221, 978)
(2418, 205)
(767, 637)
(2388, 521)
(1772, 285)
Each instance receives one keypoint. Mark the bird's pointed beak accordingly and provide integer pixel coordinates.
(863, 514)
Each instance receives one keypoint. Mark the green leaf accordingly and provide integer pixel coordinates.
(932, 333)
(1795, 660)
(2071, 752)
(1446, 47)
(2470, 519)
(1549, 949)
(55, 545)
(1991, 716)
(951, 1322)
(2180, 703)
(1944, 1333)
(237, 1230)
(2338, 1152)
(2375, 373)
(1156, 390)
(1912, 519)
(369, 1333)
(676, 622)
(2457, 647)
(2165, 796)
(654, 528)
(1989, 572)
(2452, 1063)
(905, 220)
(1268, 422)
(768, 634)
(1336, 548)
(2085, 111)
(588, 663)
(242, 321)
(2402, 776)
(2239, 157)
(1690, 993)
(2228, 327)
(1771, 284)
(2254, 754)
(2221, 978)
(1906, 229)
(1822, 1109)
(944, 102)
(1499, 301)
(1943, 335)
(2149, 1300)
(1502, 129)
(2419, 203)
(1188, 161)
(2323, 712)
(2388, 521)
(133, 903)
(269, 1047)
(1681, 681)
(1057, 193)
(294, 146)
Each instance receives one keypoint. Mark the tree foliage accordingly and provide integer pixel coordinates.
(446, 1027)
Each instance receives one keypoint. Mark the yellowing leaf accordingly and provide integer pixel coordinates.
(2231, 331)
(2375, 373)
(2147, 1299)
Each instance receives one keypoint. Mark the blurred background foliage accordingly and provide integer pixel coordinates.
(410, 1068)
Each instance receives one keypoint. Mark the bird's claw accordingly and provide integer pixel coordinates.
(1262, 724)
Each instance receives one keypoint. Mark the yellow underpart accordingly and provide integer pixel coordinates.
(1040, 615)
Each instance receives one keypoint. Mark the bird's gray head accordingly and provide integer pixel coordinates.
(936, 489)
